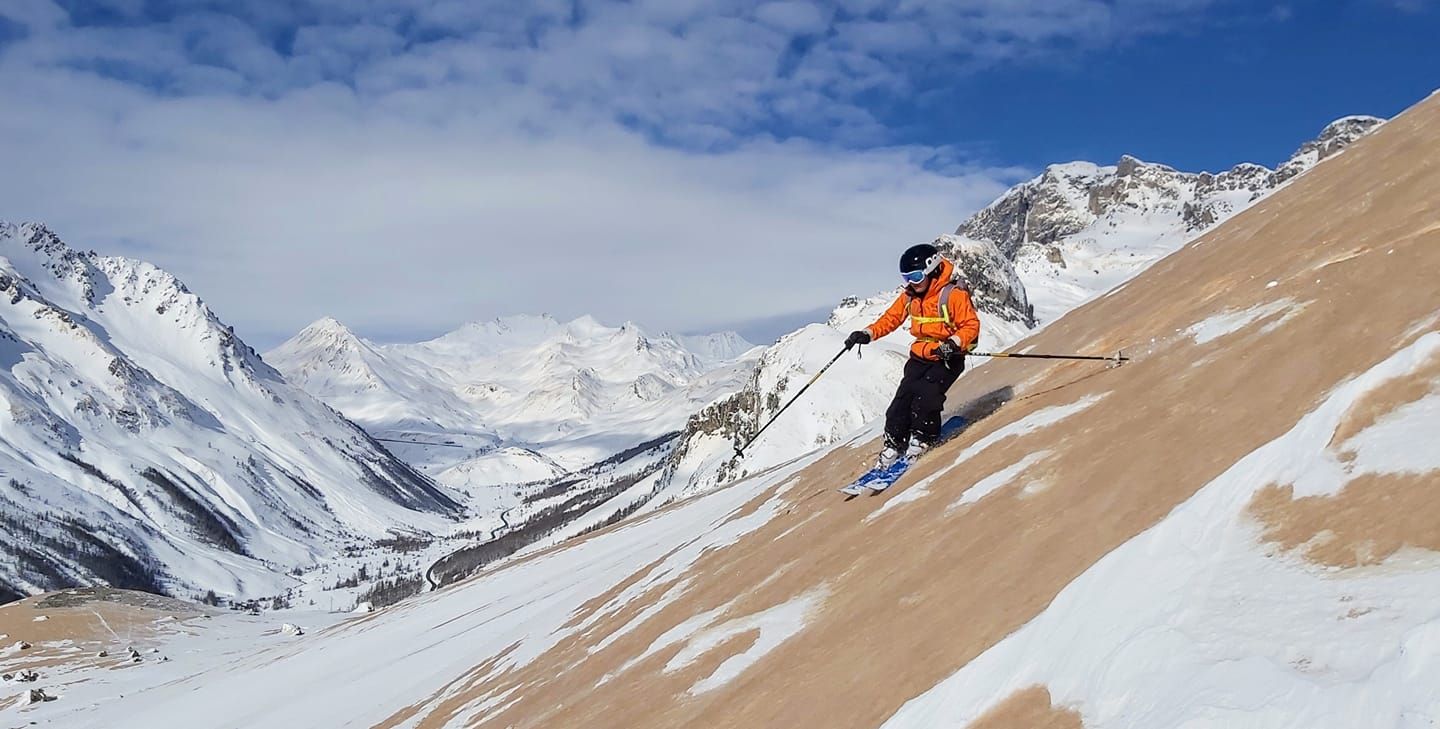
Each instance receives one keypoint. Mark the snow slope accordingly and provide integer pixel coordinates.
(1223, 533)
(144, 445)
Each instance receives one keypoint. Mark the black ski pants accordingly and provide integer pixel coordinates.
(919, 400)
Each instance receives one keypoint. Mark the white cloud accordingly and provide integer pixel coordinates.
(793, 16)
(406, 165)
(34, 14)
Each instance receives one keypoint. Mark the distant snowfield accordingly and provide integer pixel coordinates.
(1195, 623)
(528, 396)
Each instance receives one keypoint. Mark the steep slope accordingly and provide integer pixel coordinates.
(144, 445)
(1223, 531)
(1041, 249)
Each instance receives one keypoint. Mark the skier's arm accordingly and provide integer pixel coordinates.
(967, 322)
(891, 319)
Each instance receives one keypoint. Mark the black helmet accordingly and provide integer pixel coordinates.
(924, 257)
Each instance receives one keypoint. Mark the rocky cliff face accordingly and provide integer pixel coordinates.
(994, 285)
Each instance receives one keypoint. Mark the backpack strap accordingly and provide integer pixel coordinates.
(944, 302)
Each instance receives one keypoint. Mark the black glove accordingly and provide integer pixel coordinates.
(859, 336)
(949, 352)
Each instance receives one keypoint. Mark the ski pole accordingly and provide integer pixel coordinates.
(740, 450)
(1117, 358)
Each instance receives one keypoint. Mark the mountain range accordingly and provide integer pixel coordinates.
(529, 397)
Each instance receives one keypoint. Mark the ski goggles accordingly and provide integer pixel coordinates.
(914, 277)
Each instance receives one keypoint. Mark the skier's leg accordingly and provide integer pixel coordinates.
(898, 417)
(929, 400)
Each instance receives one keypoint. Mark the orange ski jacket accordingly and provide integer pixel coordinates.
(930, 322)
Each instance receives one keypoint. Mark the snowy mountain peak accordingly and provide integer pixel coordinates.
(526, 327)
(1332, 139)
(139, 415)
(1341, 132)
(717, 347)
(327, 326)
(1129, 166)
(327, 338)
(1068, 198)
(64, 279)
(326, 333)
(1077, 170)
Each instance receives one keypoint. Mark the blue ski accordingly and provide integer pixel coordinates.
(878, 479)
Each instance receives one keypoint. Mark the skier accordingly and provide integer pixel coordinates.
(945, 326)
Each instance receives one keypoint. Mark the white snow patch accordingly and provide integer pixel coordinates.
(1041, 418)
(1401, 442)
(724, 531)
(776, 625)
(1230, 322)
(650, 611)
(905, 496)
(491, 706)
(1424, 325)
(682, 632)
(803, 522)
(986, 485)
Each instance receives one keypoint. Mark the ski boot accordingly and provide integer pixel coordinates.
(889, 456)
(917, 448)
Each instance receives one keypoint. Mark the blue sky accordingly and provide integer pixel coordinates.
(1240, 86)
(408, 165)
